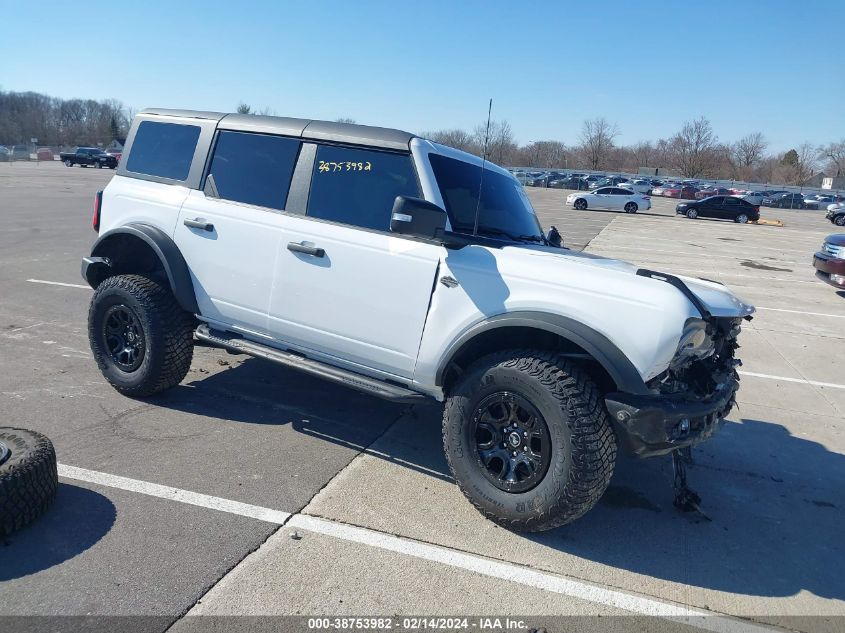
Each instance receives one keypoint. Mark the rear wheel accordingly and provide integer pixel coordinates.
(741, 219)
(580, 204)
(528, 439)
(99, 165)
(692, 214)
(631, 207)
(141, 338)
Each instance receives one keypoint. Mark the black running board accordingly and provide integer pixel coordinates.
(359, 382)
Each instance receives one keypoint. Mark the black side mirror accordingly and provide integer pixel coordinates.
(554, 237)
(416, 217)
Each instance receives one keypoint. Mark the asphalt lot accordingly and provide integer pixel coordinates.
(329, 461)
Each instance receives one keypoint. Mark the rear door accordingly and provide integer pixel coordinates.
(732, 208)
(230, 232)
(346, 289)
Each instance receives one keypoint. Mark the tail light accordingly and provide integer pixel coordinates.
(757, 208)
(98, 205)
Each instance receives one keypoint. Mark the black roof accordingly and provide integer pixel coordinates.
(348, 133)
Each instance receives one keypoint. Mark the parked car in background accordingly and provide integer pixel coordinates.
(604, 182)
(721, 207)
(686, 192)
(784, 201)
(4, 154)
(85, 156)
(44, 153)
(117, 153)
(20, 152)
(613, 198)
(573, 182)
(754, 197)
(819, 201)
(829, 262)
(836, 213)
(712, 191)
(638, 186)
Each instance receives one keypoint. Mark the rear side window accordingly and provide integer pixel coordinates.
(359, 186)
(163, 149)
(253, 168)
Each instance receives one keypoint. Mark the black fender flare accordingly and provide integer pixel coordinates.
(168, 253)
(597, 345)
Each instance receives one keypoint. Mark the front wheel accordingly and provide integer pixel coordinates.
(631, 207)
(99, 165)
(68, 163)
(839, 220)
(692, 214)
(141, 338)
(580, 204)
(528, 439)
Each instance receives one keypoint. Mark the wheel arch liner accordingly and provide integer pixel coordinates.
(172, 261)
(610, 357)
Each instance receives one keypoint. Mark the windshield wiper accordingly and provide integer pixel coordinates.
(484, 229)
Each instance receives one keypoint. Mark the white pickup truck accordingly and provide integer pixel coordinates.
(408, 270)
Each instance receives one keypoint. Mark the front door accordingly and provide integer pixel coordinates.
(346, 288)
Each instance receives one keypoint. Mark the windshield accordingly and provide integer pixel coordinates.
(504, 210)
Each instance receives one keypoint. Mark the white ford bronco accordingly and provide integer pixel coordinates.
(408, 270)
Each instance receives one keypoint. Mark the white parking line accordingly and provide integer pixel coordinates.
(174, 494)
(815, 383)
(822, 314)
(641, 605)
(58, 283)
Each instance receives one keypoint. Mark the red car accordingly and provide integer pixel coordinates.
(44, 153)
(686, 192)
(830, 261)
(712, 191)
(117, 153)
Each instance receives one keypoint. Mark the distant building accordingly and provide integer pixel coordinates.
(836, 182)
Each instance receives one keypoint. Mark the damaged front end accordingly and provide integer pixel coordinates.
(688, 401)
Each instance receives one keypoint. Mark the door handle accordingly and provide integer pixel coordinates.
(297, 247)
(199, 223)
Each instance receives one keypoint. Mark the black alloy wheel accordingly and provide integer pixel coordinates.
(512, 442)
(123, 337)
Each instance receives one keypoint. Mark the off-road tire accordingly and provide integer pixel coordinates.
(583, 444)
(167, 330)
(28, 478)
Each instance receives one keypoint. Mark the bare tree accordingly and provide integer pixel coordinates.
(807, 162)
(543, 154)
(695, 149)
(748, 150)
(834, 153)
(459, 139)
(501, 147)
(596, 139)
(244, 108)
(344, 119)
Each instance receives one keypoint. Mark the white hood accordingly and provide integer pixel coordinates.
(716, 297)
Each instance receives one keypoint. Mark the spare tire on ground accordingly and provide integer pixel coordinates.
(28, 477)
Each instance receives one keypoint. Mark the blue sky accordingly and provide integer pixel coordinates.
(775, 67)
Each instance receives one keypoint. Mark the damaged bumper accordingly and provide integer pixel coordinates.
(653, 425)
